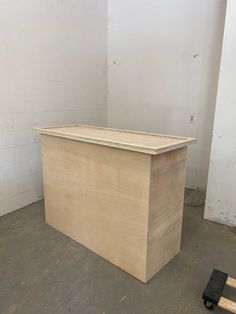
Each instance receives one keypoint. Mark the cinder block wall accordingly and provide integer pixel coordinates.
(53, 60)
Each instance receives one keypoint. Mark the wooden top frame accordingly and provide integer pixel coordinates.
(149, 143)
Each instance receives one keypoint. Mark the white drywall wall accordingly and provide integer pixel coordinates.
(53, 60)
(163, 66)
(221, 188)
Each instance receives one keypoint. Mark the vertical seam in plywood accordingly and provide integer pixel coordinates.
(185, 171)
(148, 214)
(43, 150)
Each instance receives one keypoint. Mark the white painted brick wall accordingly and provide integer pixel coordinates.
(53, 70)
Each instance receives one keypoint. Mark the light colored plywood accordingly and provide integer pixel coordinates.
(231, 282)
(124, 204)
(167, 182)
(98, 196)
(227, 305)
(150, 143)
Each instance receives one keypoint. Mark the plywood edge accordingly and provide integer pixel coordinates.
(148, 220)
(116, 144)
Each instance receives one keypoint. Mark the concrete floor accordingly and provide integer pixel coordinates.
(43, 271)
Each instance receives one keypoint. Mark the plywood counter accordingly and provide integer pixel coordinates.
(119, 193)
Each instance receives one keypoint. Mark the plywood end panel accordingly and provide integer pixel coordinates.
(99, 196)
(167, 184)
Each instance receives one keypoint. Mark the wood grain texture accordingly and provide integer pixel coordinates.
(150, 143)
(98, 196)
(227, 305)
(167, 181)
(231, 282)
(124, 205)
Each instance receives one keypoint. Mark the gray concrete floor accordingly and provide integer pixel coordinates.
(43, 271)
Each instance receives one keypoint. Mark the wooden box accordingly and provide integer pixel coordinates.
(119, 193)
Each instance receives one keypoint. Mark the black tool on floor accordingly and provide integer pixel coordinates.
(212, 294)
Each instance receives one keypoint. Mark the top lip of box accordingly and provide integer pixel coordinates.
(178, 141)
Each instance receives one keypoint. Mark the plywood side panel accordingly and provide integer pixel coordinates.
(165, 208)
(99, 196)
